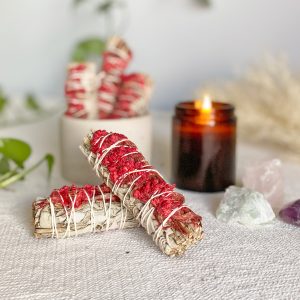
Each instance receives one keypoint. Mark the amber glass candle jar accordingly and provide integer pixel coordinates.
(204, 142)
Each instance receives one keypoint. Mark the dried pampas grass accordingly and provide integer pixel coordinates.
(267, 100)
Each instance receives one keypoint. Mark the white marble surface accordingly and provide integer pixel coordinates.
(232, 262)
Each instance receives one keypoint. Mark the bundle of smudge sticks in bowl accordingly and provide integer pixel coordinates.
(108, 93)
(104, 98)
(133, 194)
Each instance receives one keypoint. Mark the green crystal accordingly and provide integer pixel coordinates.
(244, 206)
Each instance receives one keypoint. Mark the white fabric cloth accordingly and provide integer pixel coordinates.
(232, 262)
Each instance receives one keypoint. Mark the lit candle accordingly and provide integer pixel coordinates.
(204, 138)
(205, 105)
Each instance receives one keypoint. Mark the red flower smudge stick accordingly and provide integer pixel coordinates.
(160, 210)
(79, 89)
(71, 211)
(133, 96)
(109, 93)
(115, 60)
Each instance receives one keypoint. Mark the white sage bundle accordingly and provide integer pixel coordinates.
(160, 210)
(133, 97)
(80, 88)
(115, 60)
(71, 211)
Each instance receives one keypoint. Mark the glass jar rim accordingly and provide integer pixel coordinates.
(221, 111)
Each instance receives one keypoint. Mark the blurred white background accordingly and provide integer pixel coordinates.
(181, 45)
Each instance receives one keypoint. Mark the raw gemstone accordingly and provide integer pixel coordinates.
(244, 206)
(291, 213)
(266, 178)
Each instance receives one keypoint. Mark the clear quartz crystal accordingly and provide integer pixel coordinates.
(266, 178)
(244, 206)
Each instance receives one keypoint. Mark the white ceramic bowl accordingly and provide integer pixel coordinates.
(74, 166)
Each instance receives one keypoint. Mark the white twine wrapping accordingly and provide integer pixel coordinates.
(91, 201)
(144, 213)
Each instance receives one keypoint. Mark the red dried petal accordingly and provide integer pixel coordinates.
(119, 165)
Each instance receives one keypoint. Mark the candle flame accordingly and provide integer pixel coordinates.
(205, 105)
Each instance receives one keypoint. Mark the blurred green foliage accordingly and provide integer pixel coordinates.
(90, 48)
(13, 155)
(32, 103)
(87, 49)
(204, 3)
(3, 101)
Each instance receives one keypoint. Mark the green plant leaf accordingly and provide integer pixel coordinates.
(204, 3)
(105, 6)
(4, 165)
(15, 150)
(19, 176)
(88, 48)
(3, 101)
(77, 2)
(7, 175)
(50, 163)
(32, 103)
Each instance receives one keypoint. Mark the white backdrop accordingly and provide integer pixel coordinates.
(180, 45)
